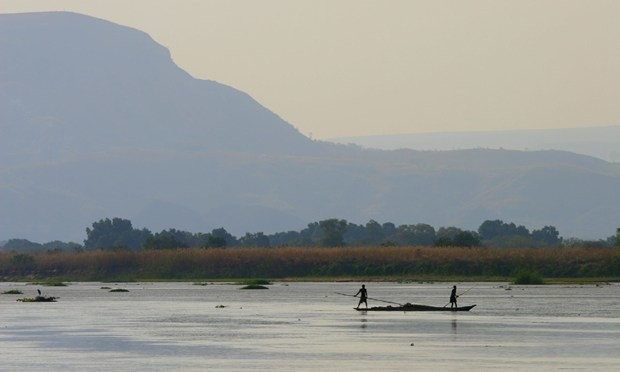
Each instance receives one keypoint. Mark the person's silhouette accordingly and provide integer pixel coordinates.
(453, 297)
(363, 296)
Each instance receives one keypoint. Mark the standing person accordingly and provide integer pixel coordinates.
(453, 297)
(363, 296)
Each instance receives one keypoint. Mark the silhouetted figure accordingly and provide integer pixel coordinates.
(453, 297)
(38, 290)
(363, 296)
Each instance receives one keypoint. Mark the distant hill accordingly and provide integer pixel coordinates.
(600, 142)
(97, 121)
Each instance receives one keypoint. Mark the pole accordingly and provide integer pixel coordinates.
(370, 298)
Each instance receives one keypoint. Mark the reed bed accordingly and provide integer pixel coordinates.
(190, 263)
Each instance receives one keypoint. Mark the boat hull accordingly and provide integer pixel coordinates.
(414, 307)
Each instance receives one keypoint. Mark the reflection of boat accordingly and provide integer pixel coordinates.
(414, 307)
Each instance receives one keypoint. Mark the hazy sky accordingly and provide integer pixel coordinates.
(353, 67)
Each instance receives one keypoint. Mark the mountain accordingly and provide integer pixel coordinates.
(600, 142)
(97, 121)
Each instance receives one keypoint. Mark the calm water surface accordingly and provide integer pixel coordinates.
(306, 326)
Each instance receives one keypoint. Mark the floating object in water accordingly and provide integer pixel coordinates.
(254, 286)
(38, 299)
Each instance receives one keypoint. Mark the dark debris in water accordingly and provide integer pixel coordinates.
(38, 299)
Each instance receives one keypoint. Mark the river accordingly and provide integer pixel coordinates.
(307, 326)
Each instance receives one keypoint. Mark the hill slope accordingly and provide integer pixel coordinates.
(600, 142)
(97, 121)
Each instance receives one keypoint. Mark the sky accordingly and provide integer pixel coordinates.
(341, 68)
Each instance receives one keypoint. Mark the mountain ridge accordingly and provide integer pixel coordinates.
(137, 137)
(602, 142)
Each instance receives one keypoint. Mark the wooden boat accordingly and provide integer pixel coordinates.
(414, 307)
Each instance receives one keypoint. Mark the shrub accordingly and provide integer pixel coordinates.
(525, 276)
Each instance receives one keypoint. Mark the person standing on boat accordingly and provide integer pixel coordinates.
(453, 297)
(363, 296)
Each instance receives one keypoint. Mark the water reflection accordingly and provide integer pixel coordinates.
(454, 330)
(363, 325)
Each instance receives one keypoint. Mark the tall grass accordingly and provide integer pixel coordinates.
(315, 262)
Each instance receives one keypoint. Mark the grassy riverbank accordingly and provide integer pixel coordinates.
(356, 263)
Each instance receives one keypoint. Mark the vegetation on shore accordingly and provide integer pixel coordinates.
(119, 234)
(525, 276)
(338, 262)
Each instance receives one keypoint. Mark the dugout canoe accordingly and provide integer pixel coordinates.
(414, 307)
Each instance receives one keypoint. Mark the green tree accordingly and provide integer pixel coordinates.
(388, 229)
(374, 232)
(223, 234)
(617, 243)
(57, 245)
(164, 240)
(333, 232)
(448, 232)
(311, 235)
(453, 236)
(115, 233)
(419, 234)
(215, 242)
(467, 239)
(220, 238)
(490, 230)
(258, 239)
(282, 239)
(547, 236)
(21, 245)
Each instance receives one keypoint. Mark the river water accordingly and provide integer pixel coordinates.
(307, 326)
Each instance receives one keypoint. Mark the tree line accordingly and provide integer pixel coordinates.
(119, 234)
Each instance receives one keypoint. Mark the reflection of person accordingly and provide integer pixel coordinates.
(363, 296)
(453, 297)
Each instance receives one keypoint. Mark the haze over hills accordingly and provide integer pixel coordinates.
(600, 142)
(97, 121)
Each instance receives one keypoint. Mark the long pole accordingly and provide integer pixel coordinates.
(370, 298)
